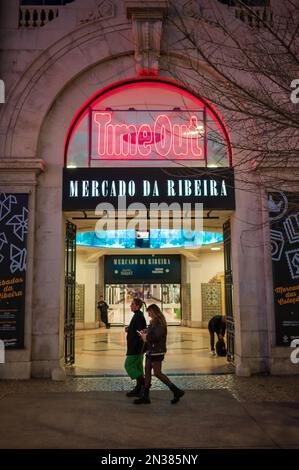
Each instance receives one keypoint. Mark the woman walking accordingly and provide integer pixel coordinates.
(155, 338)
(135, 348)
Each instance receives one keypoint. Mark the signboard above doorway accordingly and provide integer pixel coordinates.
(84, 188)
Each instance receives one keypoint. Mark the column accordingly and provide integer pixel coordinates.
(90, 280)
(248, 253)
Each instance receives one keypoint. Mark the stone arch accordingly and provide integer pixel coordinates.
(33, 95)
(49, 135)
(30, 101)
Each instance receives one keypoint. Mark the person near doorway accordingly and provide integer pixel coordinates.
(104, 307)
(155, 339)
(135, 348)
(217, 325)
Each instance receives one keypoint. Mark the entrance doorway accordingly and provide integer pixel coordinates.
(197, 289)
(166, 257)
(120, 296)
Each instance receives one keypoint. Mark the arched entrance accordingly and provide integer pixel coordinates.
(146, 142)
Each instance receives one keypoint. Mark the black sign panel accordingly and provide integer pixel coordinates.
(284, 224)
(13, 258)
(142, 269)
(85, 188)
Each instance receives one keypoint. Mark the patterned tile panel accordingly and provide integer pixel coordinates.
(211, 300)
(79, 300)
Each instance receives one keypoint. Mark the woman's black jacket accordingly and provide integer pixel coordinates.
(135, 344)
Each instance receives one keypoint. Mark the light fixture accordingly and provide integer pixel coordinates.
(196, 131)
(215, 248)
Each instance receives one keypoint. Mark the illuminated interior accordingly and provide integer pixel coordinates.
(147, 120)
(151, 239)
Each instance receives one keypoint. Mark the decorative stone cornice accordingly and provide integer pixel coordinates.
(20, 171)
(147, 21)
(283, 164)
(22, 164)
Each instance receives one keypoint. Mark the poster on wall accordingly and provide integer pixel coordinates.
(13, 258)
(284, 229)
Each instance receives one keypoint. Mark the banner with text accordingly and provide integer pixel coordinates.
(284, 225)
(13, 258)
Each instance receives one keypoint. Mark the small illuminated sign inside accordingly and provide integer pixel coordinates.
(174, 135)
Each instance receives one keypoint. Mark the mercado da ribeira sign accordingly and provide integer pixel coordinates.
(84, 188)
(151, 269)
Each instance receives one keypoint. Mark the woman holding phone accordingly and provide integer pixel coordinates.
(155, 339)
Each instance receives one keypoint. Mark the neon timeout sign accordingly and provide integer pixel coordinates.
(163, 139)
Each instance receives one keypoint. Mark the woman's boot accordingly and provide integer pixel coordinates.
(144, 399)
(137, 391)
(177, 393)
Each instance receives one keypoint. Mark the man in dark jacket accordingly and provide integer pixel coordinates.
(103, 307)
(135, 347)
(216, 325)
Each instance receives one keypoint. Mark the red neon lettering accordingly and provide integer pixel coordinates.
(163, 140)
(145, 139)
(163, 125)
(122, 141)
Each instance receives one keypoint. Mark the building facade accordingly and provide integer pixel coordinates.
(68, 64)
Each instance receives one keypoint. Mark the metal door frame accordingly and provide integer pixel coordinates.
(70, 293)
(228, 283)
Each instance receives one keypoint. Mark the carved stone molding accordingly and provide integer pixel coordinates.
(103, 9)
(192, 8)
(147, 21)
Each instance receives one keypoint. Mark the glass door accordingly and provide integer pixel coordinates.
(153, 294)
(115, 299)
(171, 303)
(119, 298)
(132, 291)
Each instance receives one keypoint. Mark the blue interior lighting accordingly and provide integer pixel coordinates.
(157, 239)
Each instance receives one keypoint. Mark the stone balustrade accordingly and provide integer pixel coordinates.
(36, 16)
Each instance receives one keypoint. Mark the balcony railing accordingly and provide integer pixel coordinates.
(256, 17)
(36, 16)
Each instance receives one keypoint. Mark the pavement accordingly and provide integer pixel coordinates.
(217, 411)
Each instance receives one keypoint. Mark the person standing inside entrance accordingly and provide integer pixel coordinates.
(217, 325)
(135, 348)
(155, 339)
(104, 307)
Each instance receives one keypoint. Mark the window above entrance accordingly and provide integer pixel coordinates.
(141, 122)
